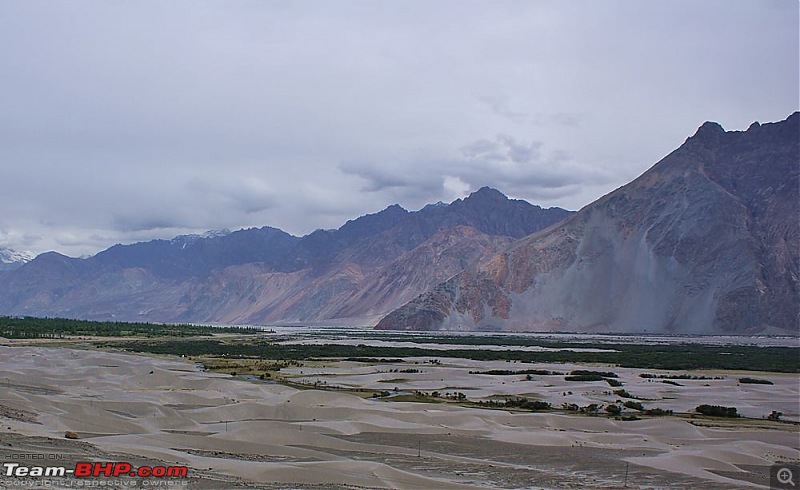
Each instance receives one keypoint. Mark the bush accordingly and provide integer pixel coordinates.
(613, 382)
(541, 406)
(523, 403)
(534, 405)
(372, 359)
(755, 381)
(592, 408)
(657, 412)
(614, 409)
(775, 415)
(717, 411)
(507, 372)
(584, 377)
(623, 394)
(602, 374)
(677, 376)
(633, 405)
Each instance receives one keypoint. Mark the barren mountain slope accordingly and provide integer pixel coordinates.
(706, 241)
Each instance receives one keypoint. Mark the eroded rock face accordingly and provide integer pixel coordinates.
(706, 241)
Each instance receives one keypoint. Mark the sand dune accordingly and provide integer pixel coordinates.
(233, 432)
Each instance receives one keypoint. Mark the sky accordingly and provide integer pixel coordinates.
(130, 120)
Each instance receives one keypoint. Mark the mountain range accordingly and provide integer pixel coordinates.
(707, 241)
(354, 274)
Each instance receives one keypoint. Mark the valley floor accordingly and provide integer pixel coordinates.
(245, 433)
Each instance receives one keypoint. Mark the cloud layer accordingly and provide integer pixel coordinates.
(127, 121)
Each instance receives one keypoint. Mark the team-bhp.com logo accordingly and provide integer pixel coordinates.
(87, 470)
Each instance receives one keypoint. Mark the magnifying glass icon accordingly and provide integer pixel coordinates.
(785, 476)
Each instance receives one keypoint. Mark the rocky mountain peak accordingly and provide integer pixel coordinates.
(486, 195)
(706, 241)
(708, 133)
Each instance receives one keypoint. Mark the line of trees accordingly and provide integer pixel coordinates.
(57, 328)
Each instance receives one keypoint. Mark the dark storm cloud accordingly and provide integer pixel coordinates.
(125, 121)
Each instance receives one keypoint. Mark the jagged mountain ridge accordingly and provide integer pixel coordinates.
(364, 269)
(706, 241)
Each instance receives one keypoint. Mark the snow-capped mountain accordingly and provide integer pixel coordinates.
(185, 240)
(11, 259)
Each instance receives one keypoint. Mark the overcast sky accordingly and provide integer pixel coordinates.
(123, 121)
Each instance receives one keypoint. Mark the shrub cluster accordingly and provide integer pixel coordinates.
(602, 374)
(584, 375)
(523, 403)
(755, 381)
(591, 409)
(373, 360)
(506, 372)
(657, 412)
(677, 376)
(717, 411)
(634, 405)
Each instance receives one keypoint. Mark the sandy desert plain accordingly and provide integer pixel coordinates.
(328, 423)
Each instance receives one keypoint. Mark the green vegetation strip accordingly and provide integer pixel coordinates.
(673, 357)
(507, 372)
(58, 328)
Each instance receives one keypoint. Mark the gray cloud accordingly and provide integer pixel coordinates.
(501, 106)
(127, 121)
(523, 169)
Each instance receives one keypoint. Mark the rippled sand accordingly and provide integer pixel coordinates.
(238, 433)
